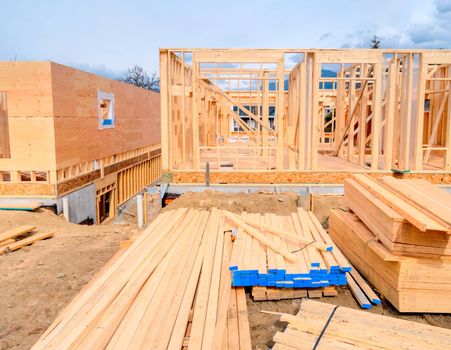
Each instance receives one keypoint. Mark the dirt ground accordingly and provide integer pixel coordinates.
(38, 281)
(261, 202)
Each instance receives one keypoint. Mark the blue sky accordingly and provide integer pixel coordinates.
(107, 37)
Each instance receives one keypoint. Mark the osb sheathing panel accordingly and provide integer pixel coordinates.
(29, 88)
(293, 177)
(27, 189)
(77, 137)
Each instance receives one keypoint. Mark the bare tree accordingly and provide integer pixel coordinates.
(137, 76)
(375, 42)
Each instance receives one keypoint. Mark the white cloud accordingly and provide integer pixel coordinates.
(431, 30)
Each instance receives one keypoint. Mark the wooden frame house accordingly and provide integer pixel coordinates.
(69, 133)
(334, 112)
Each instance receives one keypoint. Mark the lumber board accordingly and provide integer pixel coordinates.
(417, 195)
(417, 217)
(411, 284)
(26, 241)
(396, 233)
(353, 329)
(15, 232)
(170, 289)
(254, 262)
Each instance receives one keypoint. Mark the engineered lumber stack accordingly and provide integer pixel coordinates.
(170, 289)
(291, 251)
(350, 329)
(398, 237)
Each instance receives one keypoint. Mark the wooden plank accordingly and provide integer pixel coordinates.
(351, 329)
(439, 210)
(257, 235)
(243, 321)
(26, 241)
(418, 218)
(14, 232)
(365, 287)
(280, 232)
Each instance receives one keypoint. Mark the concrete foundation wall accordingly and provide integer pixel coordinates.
(81, 204)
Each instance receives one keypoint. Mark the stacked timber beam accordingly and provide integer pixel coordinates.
(171, 289)
(325, 326)
(398, 237)
(292, 251)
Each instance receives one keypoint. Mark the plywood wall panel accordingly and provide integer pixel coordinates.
(77, 137)
(29, 89)
(32, 143)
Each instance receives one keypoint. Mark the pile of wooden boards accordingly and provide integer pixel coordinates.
(291, 251)
(270, 293)
(325, 326)
(170, 289)
(399, 239)
(19, 237)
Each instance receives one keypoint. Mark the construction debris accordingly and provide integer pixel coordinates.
(325, 326)
(397, 243)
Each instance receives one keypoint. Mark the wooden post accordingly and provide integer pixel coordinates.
(265, 112)
(302, 113)
(164, 95)
(407, 118)
(419, 122)
(280, 113)
(448, 129)
(376, 121)
(195, 109)
(390, 106)
(314, 118)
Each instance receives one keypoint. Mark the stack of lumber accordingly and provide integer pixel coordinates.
(271, 293)
(170, 289)
(409, 217)
(325, 326)
(19, 237)
(292, 251)
(399, 239)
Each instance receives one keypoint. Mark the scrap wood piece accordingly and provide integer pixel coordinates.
(26, 241)
(415, 216)
(337, 254)
(7, 242)
(358, 293)
(280, 232)
(365, 287)
(347, 328)
(258, 236)
(15, 232)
